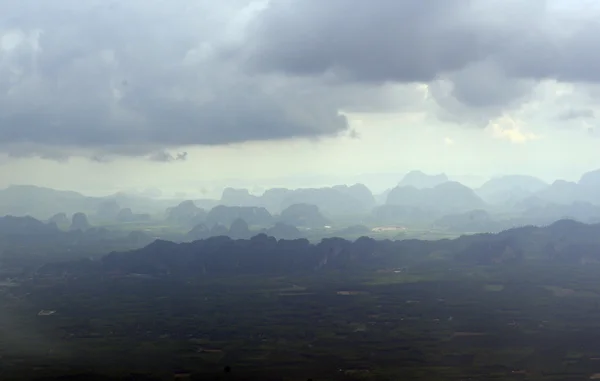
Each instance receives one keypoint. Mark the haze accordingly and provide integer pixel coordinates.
(343, 190)
(191, 96)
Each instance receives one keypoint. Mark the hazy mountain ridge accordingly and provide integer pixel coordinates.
(421, 180)
(565, 241)
(29, 236)
(446, 197)
(427, 200)
(419, 199)
(335, 200)
(508, 188)
(42, 203)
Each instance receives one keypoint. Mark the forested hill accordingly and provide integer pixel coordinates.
(565, 241)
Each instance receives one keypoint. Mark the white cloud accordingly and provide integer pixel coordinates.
(509, 129)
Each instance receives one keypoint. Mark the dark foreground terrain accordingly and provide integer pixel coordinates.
(528, 313)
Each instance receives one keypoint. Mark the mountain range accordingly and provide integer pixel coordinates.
(564, 241)
(419, 199)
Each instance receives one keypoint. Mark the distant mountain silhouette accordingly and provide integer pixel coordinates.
(590, 180)
(186, 213)
(127, 215)
(359, 192)
(200, 231)
(108, 210)
(337, 200)
(419, 199)
(561, 192)
(226, 215)
(587, 189)
(219, 230)
(283, 231)
(239, 229)
(475, 221)
(31, 235)
(420, 180)
(36, 201)
(305, 215)
(239, 197)
(549, 212)
(79, 221)
(569, 241)
(60, 219)
(24, 226)
(510, 188)
(447, 197)
(40, 202)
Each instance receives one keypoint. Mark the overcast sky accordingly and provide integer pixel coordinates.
(101, 95)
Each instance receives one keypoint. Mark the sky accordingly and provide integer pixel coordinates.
(193, 95)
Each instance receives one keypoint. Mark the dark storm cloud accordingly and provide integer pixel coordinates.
(383, 40)
(139, 77)
(134, 77)
(492, 51)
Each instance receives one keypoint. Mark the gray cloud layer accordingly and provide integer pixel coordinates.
(488, 53)
(137, 77)
(134, 76)
(405, 40)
